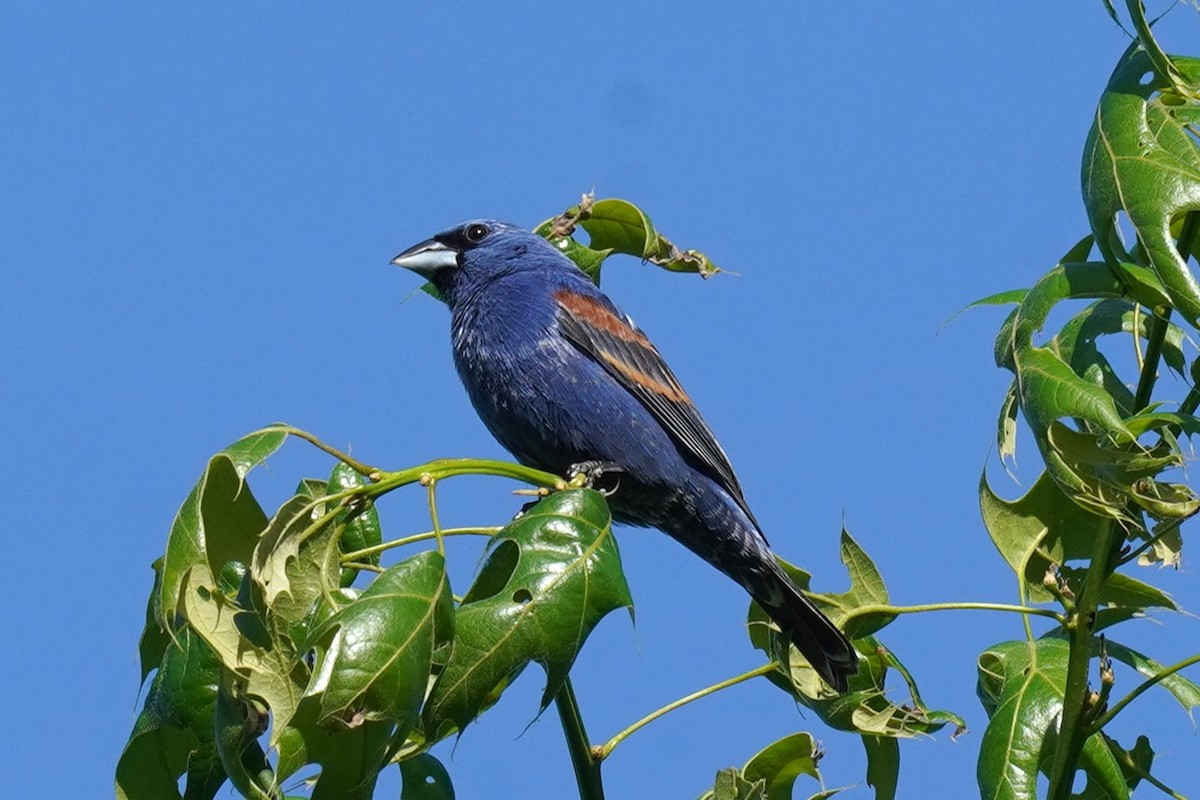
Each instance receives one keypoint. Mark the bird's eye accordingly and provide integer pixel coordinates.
(476, 232)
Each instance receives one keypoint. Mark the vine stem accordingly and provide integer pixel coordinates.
(585, 761)
(604, 751)
(1153, 680)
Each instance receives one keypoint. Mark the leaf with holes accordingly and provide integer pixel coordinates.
(551, 575)
(1141, 159)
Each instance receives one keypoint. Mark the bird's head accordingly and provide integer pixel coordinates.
(467, 257)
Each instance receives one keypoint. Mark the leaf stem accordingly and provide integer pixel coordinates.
(583, 758)
(1156, 678)
(882, 608)
(606, 750)
(354, 464)
(355, 555)
(435, 520)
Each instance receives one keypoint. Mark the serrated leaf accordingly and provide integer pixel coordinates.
(1141, 159)
(1021, 688)
(186, 541)
(538, 606)
(173, 734)
(375, 654)
(424, 778)
(296, 559)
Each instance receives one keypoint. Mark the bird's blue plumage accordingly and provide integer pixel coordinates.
(561, 377)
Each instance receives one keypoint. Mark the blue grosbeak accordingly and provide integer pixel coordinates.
(566, 382)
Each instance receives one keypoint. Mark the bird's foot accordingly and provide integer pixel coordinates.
(589, 474)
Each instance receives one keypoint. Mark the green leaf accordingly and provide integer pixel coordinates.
(350, 758)
(551, 576)
(1021, 688)
(363, 529)
(238, 725)
(425, 779)
(1041, 528)
(866, 589)
(1123, 591)
(272, 669)
(154, 640)
(1186, 692)
(375, 654)
(1006, 428)
(731, 785)
(883, 765)
(780, 763)
(618, 226)
(296, 559)
(174, 733)
(186, 541)
(1141, 159)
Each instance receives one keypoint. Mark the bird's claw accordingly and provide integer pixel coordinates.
(585, 474)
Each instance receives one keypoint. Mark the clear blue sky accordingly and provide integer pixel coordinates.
(197, 208)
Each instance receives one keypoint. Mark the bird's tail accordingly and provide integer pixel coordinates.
(815, 636)
(718, 530)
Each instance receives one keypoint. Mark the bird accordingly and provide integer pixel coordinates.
(567, 383)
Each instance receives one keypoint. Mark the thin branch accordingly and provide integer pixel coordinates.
(350, 461)
(606, 750)
(355, 555)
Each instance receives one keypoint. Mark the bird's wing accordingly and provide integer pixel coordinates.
(612, 339)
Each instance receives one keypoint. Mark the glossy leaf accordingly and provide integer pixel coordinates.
(362, 529)
(375, 654)
(186, 541)
(866, 589)
(1021, 688)
(1141, 159)
(173, 735)
(550, 577)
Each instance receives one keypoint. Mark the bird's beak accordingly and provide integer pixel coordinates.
(426, 258)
